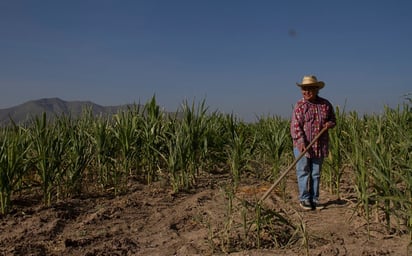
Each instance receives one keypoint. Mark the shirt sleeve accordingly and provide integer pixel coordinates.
(296, 127)
(331, 115)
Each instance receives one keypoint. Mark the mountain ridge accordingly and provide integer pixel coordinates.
(23, 113)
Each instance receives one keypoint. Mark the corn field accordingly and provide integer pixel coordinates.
(65, 156)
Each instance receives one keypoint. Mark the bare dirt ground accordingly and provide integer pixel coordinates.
(149, 220)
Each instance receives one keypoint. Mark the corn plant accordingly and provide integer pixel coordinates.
(216, 139)
(302, 228)
(172, 163)
(381, 167)
(239, 148)
(274, 141)
(13, 163)
(357, 157)
(406, 161)
(194, 126)
(49, 144)
(229, 221)
(379, 154)
(186, 148)
(335, 160)
(103, 146)
(175, 159)
(79, 154)
(152, 134)
(397, 161)
(125, 132)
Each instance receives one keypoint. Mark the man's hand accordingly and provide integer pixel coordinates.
(329, 125)
(301, 147)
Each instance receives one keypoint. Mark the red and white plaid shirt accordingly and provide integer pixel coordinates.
(308, 119)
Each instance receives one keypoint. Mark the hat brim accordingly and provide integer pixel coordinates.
(319, 84)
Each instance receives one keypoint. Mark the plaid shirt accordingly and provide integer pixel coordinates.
(308, 119)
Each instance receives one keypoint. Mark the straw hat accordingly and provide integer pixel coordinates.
(311, 81)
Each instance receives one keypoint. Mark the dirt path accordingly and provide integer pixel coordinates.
(149, 220)
(338, 229)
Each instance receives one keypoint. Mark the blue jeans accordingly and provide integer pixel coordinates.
(308, 174)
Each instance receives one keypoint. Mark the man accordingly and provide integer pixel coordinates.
(310, 115)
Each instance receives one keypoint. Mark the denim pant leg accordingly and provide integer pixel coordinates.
(302, 173)
(316, 167)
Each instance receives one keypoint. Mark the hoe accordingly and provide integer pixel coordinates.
(292, 165)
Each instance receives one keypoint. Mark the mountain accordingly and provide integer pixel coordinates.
(53, 107)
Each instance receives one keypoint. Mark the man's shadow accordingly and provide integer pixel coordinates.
(337, 202)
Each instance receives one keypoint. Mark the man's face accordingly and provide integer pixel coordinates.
(310, 92)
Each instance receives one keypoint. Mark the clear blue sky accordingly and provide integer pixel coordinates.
(239, 56)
